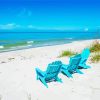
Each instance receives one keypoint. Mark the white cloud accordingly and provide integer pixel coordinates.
(9, 26)
(38, 28)
(53, 28)
(31, 26)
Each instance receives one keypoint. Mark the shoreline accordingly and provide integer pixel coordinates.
(29, 46)
(55, 50)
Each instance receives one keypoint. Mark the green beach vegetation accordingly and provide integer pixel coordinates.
(95, 49)
(95, 58)
(67, 53)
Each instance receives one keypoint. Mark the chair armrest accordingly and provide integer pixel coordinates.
(64, 66)
(40, 72)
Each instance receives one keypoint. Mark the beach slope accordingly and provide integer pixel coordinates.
(18, 76)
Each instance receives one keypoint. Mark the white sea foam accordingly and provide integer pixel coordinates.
(30, 42)
(1, 47)
(29, 45)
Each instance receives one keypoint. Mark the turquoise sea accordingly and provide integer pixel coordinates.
(17, 40)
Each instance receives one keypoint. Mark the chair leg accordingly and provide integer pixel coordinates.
(59, 79)
(37, 77)
(78, 71)
(67, 73)
(84, 66)
(44, 82)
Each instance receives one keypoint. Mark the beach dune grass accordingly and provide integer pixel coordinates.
(67, 53)
(95, 58)
(95, 47)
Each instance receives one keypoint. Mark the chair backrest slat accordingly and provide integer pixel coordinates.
(74, 62)
(85, 54)
(53, 70)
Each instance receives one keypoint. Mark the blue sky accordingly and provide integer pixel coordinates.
(49, 14)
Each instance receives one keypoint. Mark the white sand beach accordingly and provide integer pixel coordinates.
(18, 76)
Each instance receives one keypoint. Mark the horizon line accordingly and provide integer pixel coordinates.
(47, 31)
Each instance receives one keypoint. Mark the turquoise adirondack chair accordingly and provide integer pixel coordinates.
(51, 74)
(68, 70)
(84, 56)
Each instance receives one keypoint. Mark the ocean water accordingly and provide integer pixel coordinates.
(15, 41)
